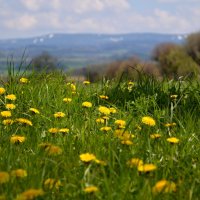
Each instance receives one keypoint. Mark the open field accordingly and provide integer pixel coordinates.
(116, 139)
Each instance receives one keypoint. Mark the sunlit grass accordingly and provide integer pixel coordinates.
(109, 140)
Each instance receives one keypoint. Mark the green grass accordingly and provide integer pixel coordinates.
(178, 163)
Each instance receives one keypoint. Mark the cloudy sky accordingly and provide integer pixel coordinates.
(26, 18)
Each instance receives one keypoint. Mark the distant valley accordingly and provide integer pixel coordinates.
(80, 50)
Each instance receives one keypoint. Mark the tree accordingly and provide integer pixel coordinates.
(192, 46)
(44, 62)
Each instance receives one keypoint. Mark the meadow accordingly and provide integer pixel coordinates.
(114, 139)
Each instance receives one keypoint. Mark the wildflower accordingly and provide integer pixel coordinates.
(73, 87)
(30, 194)
(105, 118)
(24, 121)
(174, 96)
(120, 123)
(105, 128)
(103, 97)
(8, 122)
(148, 121)
(53, 150)
(87, 104)
(53, 130)
(130, 83)
(10, 106)
(2, 90)
(19, 173)
(113, 110)
(164, 186)
(147, 168)
(4, 177)
(16, 139)
(123, 135)
(59, 115)
(23, 80)
(11, 97)
(155, 136)
(34, 111)
(100, 120)
(51, 183)
(173, 140)
(64, 130)
(91, 189)
(45, 145)
(87, 157)
(134, 162)
(67, 100)
(104, 110)
(170, 124)
(127, 142)
(6, 114)
(86, 82)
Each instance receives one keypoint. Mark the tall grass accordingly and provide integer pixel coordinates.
(115, 179)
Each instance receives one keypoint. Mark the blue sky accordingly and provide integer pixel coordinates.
(27, 18)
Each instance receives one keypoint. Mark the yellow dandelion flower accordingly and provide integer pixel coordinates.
(147, 168)
(112, 110)
(59, 115)
(105, 118)
(51, 183)
(23, 80)
(170, 124)
(34, 111)
(164, 186)
(173, 140)
(100, 120)
(8, 122)
(105, 128)
(86, 82)
(67, 100)
(134, 162)
(10, 106)
(24, 121)
(127, 142)
(6, 114)
(131, 83)
(4, 177)
(73, 87)
(64, 130)
(120, 123)
(87, 157)
(148, 121)
(87, 104)
(16, 139)
(155, 136)
(2, 90)
(30, 194)
(91, 189)
(53, 130)
(53, 150)
(104, 110)
(19, 173)
(103, 97)
(173, 96)
(123, 135)
(11, 97)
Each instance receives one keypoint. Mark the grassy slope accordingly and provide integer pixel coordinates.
(178, 163)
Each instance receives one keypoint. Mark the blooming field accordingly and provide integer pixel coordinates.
(107, 140)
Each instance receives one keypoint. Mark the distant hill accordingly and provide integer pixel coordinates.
(77, 50)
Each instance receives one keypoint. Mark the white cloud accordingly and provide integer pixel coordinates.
(24, 22)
